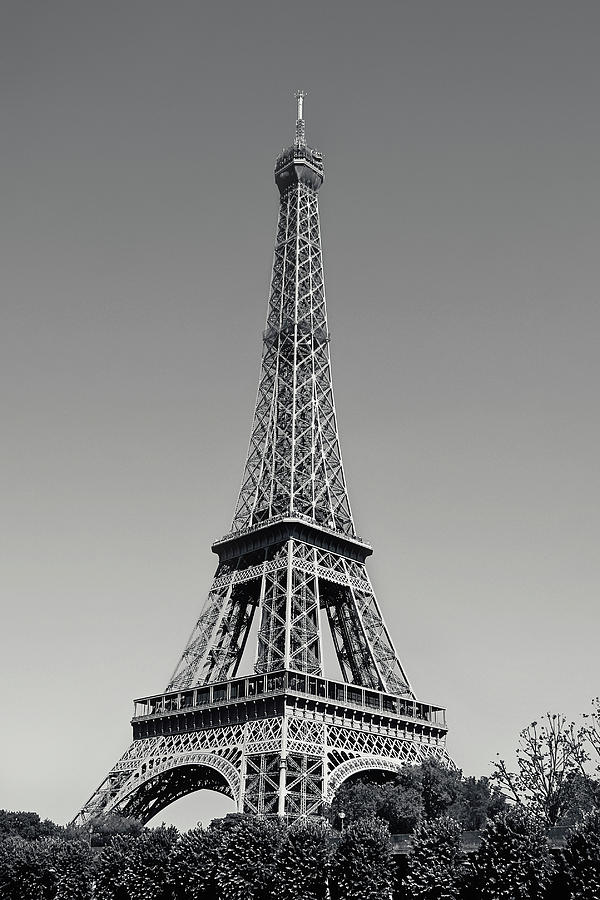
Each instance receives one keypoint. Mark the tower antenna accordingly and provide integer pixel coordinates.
(300, 128)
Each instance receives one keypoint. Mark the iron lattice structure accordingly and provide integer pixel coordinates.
(282, 740)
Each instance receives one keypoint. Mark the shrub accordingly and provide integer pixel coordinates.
(193, 864)
(436, 863)
(582, 859)
(303, 862)
(513, 861)
(247, 867)
(136, 868)
(46, 869)
(362, 866)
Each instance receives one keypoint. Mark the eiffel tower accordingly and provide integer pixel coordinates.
(281, 740)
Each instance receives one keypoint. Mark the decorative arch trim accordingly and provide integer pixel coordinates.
(361, 764)
(146, 774)
(413, 755)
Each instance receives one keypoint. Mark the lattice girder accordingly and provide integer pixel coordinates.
(289, 764)
(294, 467)
(294, 462)
(291, 584)
(412, 755)
(146, 760)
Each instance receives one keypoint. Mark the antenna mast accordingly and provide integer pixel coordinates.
(300, 128)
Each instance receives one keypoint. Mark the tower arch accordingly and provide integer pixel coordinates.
(355, 766)
(154, 788)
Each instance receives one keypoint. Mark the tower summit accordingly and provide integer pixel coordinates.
(299, 164)
(282, 738)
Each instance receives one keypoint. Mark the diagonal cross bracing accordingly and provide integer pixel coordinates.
(294, 462)
(294, 469)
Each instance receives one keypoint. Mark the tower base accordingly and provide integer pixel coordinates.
(277, 744)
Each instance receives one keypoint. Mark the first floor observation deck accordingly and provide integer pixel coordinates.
(267, 695)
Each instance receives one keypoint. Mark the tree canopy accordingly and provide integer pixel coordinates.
(418, 793)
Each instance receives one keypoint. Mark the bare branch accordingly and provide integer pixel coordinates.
(548, 759)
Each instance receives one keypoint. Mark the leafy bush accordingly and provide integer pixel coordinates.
(247, 868)
(362, 866)
(436, 863)
(582, 859)
(303, 862)
(513, 860)
(46, 869)
(193, 864)
(136, 868)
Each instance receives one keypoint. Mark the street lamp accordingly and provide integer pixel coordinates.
(342, 816)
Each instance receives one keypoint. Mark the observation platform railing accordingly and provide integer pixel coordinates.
(292, 683)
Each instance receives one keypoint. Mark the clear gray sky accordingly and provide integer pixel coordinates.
(460, 215)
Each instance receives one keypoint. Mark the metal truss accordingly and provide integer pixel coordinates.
(356, 741)
(129, 785)
(294, 462)
(292, 584)
(285, 765)
(216, 645)
(294, 556)
(294, 468)
(413, 755)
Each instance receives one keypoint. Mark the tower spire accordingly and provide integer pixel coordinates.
(300, 128)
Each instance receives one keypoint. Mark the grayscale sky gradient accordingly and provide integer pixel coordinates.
(460, 214)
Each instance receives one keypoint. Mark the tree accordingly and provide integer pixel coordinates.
(590, 733)
(303, 862)
(479, 801)
(398, 803)
(588, 751)
(230, 821)
(548, 759)
(247, 867)
(104, 827)
(584, 798)
(115, 870)
(417, 793)
(193, 864)
(153, 849)
(26, 825)
(436, 862)
(362, 866)
(45, 869)
(72, 862)
(582, 859)
(441, 787)
(132, 868)
(24, 871)
(513, 860)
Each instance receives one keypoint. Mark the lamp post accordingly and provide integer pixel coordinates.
(342, 816)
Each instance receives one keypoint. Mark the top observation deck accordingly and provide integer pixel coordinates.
(299, 164)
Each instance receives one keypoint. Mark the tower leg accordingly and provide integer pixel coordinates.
(283, 769)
